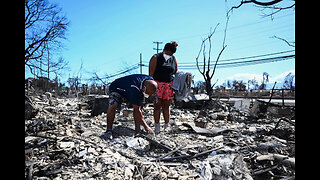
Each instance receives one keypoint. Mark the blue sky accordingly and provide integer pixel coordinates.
(108, 35)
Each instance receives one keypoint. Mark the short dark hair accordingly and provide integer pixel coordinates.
(172, 46)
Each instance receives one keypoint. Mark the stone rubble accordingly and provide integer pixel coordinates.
(63, 140)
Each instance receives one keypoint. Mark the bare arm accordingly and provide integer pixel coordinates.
(152, 65)
(139, 120)
(176, 65)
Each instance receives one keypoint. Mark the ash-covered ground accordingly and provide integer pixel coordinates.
(216, 141)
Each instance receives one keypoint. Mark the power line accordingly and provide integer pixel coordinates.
(229, 29)
(242, 63)
(128, 69)
(136, 66)
(242, 58)
(235, 59)
(224, 64)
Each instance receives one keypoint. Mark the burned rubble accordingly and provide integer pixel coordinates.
(64, 139)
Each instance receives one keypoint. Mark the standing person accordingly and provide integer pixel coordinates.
(132, 88)
(162, 67)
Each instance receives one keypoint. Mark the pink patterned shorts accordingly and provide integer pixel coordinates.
(164, 90)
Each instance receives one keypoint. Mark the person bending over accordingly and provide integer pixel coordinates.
(132, 88)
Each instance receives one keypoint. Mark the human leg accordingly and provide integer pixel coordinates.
(114, 101)
(166, 111)
(157, 111)
(156, 116)
(110, 116)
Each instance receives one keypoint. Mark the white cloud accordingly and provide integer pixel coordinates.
(258, 77)
(245, 77)
(280, 78)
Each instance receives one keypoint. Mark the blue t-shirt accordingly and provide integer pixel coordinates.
(130, 87)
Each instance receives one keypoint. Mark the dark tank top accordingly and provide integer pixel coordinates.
(165, 69)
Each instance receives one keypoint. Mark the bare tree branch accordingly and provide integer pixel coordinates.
(197, 62)
(289, 44)
(206, 73)
(257, 3)
(202, 49)
(96, 77)
(223, 45)
(264, 5)
(45, 27)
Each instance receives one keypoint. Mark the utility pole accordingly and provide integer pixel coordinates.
(157, 42)
(140, 63)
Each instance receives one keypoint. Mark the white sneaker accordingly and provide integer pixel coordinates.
(156, 128)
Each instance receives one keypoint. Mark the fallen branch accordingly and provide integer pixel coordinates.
(282, 159)
(263, 170)
(167, 154)
(283, 119)
(156, 143)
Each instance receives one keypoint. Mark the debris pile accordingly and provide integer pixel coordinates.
(65, 140)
